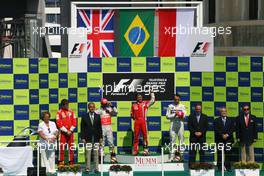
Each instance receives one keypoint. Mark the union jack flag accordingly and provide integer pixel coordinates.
(100, 38)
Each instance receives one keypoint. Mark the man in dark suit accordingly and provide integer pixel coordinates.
(91, 135)
(246, 133)
(197, 125)
(224, 128)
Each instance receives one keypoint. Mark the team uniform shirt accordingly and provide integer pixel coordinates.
(139, 114)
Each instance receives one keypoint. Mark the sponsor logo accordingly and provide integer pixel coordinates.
(183, 93)
(153, 64)
(255, 64)
(231, 94)
(73, 95)
(195, 93)
(201, 49)
(208, 108)
(5, 81)
(20, 96)
(231, 63)
(244, 63)
(5, 112)
(5, 128)
(82, 94)
(53, 65)
(182, 79)
(244, 79)
(53, 95)
(82, 79)
(208, 78)
(94, 79)
(138, 64)
(208, 93)
(232, 108)
(154, 123)
(243, 94)
(63, 80)
(7, 97)
(231, 79)
(124, 86)
(77, 50)
(124, 123)
(109, 64)
(5, 66)
(94, 64)
(124, 108)
(196, 78)
(219, 93)
(146, 162)
(122, 64)
(219, 79)
(73, 79)
(33, 65)
(181, 63)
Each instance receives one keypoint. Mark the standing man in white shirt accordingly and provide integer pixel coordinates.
(176, 113)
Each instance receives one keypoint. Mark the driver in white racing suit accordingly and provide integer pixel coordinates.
(106, 111)
(176, 113)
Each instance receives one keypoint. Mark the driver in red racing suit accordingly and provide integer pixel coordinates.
(139, 115)
(66, 122)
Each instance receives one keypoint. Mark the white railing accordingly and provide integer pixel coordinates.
(198, 6)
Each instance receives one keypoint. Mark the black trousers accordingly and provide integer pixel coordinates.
(194, 147)
(227, 154)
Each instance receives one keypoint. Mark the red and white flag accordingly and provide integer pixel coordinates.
(173, 30)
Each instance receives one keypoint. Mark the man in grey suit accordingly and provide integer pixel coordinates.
(91, 135)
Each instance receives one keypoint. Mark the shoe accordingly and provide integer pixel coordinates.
(228, 169)
(113, 158)
(135, 153)
(87, 170)
(145, 152)
(61, 163)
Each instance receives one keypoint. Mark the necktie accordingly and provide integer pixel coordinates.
(224, 120)
(247, 119)
(92, 117)
(198, 118)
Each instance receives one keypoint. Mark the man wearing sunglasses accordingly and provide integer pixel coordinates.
(246, 133)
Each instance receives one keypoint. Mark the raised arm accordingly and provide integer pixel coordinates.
(152, 99)
(114, 111)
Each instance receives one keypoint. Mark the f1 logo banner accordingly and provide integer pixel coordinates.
(125, 86)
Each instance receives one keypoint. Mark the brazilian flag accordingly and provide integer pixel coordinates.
(136, 33)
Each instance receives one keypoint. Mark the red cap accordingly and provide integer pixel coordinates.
(103, 101)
